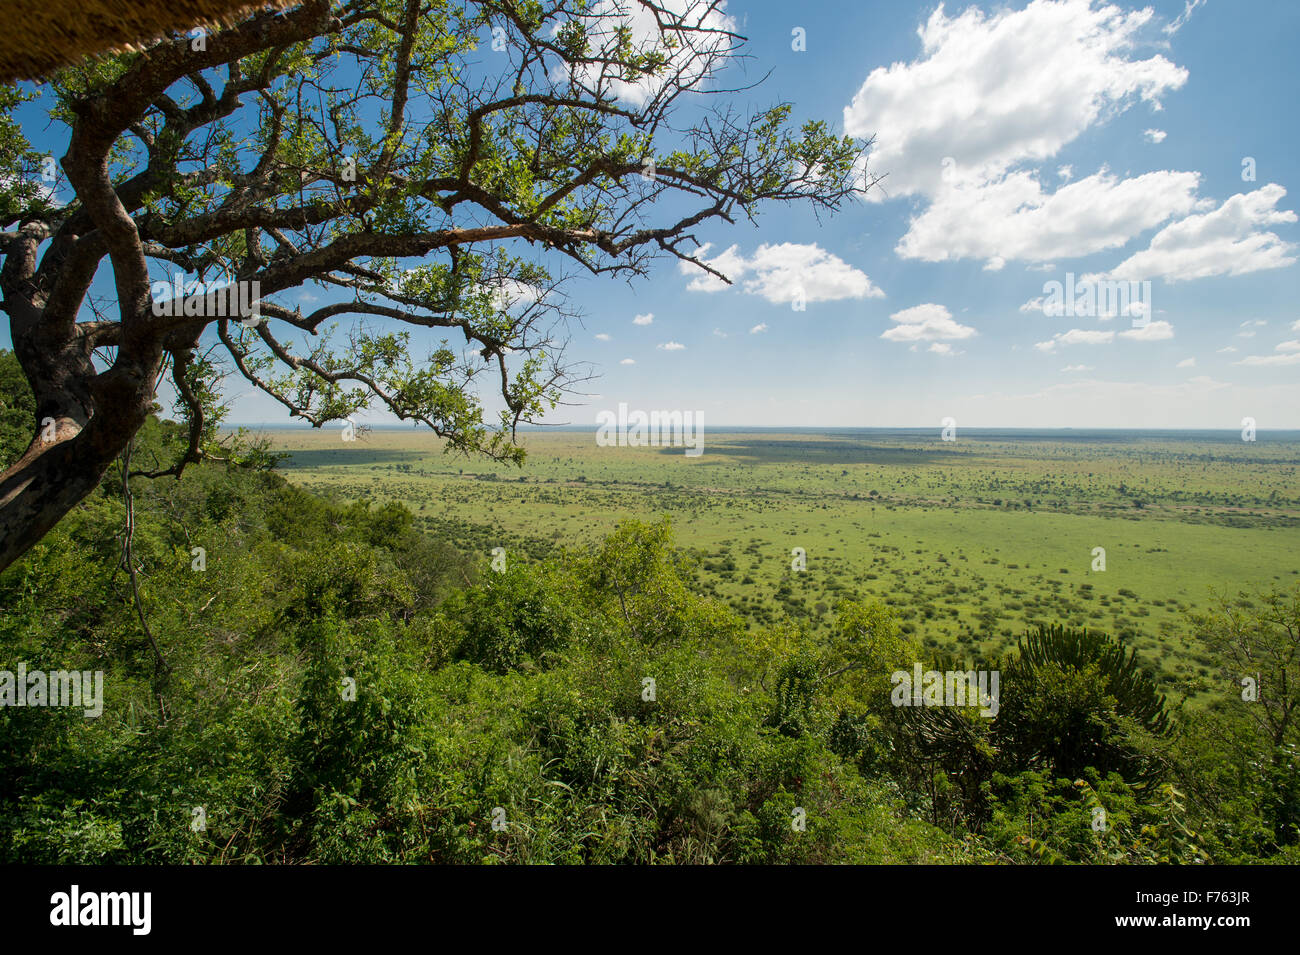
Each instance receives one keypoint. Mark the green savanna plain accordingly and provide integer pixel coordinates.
(971, 541)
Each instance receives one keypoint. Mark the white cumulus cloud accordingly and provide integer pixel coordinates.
(927, 322)
(992, 97)
(1012, 217)
(780, 273)
(1229, 240)
(989, 91)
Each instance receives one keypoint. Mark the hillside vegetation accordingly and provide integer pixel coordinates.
(324, 682)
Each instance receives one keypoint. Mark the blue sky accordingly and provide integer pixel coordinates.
(1219, 93)
(1019, 142)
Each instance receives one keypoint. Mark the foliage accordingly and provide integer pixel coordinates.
(341, 687)
(17, 409)
(1072, 701)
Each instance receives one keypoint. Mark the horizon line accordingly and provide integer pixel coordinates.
(721, 429)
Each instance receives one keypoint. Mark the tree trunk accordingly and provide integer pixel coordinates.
(53, 476)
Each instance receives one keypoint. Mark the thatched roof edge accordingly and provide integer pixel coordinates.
(42, 36)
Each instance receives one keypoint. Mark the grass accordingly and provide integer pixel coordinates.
(971, 540)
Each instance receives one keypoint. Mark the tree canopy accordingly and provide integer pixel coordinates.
(429, 164)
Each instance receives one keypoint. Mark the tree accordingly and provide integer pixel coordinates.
(1259, 647)
(865, 638)
(1074, 700)
(381, 152)
(1261, 644)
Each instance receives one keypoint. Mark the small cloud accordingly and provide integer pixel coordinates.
(628, 361)
(783, 274)
(1066, 173)
(602, 337)
(760, 327)
(1074, 368)
(645, 319)
(671, 346)
(1151, 332)
(1187, 363)
(995, 264)
(1295, 326)
(1288, 354)
(1076, 336)
(1265, 360)
(942, 348)
(1083, 336)
(1155, 135)
(1227, 350)
(719, 333)
(1255, 323)
(1177, 23)
(925, 323)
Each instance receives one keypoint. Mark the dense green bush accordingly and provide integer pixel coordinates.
(519, 618)
(335, 686)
